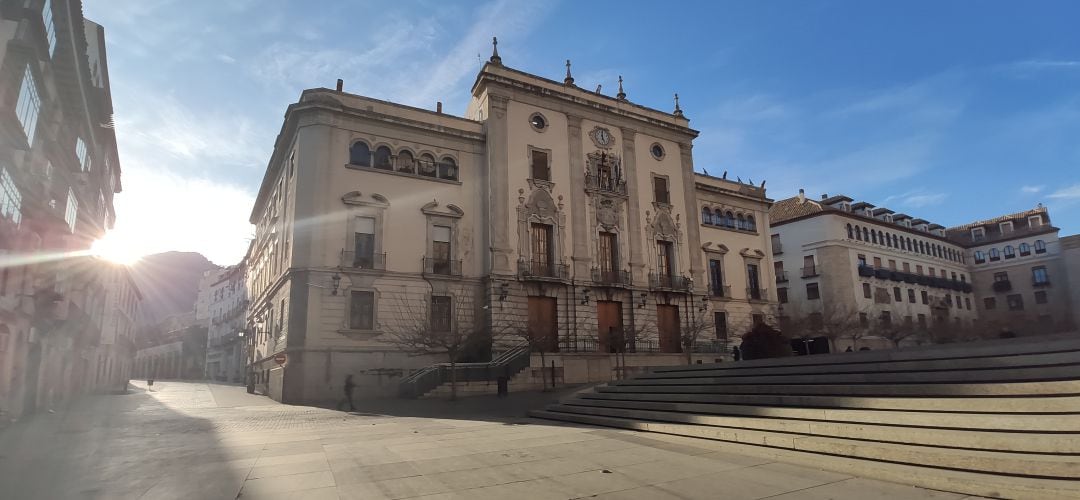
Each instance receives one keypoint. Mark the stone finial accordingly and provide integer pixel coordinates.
(621, 95)
(495, 59)
(678, 110)
(569, 80)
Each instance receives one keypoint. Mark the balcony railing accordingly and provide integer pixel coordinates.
(442, 267)
(1040, 283)
(376, 261)
(781, 276)
(669, 282)
(607, 184)
(809, 271)
(757, 294)
(530, 269)
(610, 277)
(722, 291)
(866, 271)
(1002, 286)
(777, 248)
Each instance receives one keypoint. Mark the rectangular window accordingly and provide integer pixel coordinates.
(609, 252)
(1039, 276)
(541, 169)
(918, 270)
(72, 212)
(440, 314)
(752, 281)
(660, 191)
(1040, 297)
(881, 295)
(50, 26)
(716, 278)
(892, 264)
(781, 294)
(10, 198)
(877, 262)
(809, 269)
(990, 303)
(948, 300)
(862, 259)
(665, 258)
(778, 268)
(930, 271)
(542, 252)
(362, 310)
(364, 243)
(720, 322)
(864, 320)
(907, 267)
(812, 292)
(866, 292)
(440, 250)
(896, 294)
(978, 234)
(886, 319)
(1034, 221)
(28, 105)
(1006, 227)
(967, 303)
(82, 154)
(777, 248)
(1001, 276)
(911, 295)
(925, 297)
(1016, 302)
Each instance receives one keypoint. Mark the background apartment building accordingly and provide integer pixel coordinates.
(226, 320)
(866, 272)
(115, 356)
(548, 210)
(59, 170)
(1020, 272)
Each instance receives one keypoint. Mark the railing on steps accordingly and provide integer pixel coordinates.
(425, 380)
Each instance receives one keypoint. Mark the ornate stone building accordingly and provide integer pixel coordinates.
(550, 209)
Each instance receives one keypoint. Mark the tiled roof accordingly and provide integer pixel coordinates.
(1021, 229)
(792, 208)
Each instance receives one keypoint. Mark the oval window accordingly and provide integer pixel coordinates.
(657, 151)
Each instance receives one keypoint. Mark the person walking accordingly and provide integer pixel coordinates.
(349, 386)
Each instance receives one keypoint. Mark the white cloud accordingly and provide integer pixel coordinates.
(160, 211)
(1029, 67)
(1031, 189)
(917, 199)
(1067, 193)
(225, 58)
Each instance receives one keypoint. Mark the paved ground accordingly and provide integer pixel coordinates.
(208, 441)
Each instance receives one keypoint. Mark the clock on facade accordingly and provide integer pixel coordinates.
(602, 137)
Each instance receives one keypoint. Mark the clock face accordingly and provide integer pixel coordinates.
(603, 136)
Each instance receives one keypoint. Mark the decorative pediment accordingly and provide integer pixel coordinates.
(752, 253)
(450, 210)
(719, 248)
(356, 198)
(665, 226)
(541, 203)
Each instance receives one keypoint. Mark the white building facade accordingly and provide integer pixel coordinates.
(226, 313)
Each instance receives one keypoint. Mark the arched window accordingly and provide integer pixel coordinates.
(849, 232)
(360, 154)
(1009, 252)
(740, 222)
(405, 162)
(908, 244)
(1025, 249)
(980, 257)
(881, 237)
(1040, 246)
(873, 237)
(858, 233)
(865, 234)
(427, 165)
(448, 169)
(382, 158)
(994, 255)
(750, 224)
(729, 219)
(895, 241)
(706, 216)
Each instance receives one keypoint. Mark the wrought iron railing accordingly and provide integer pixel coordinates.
(809, 271)
(442, 267)
(611, 277)
(669, 282)
(540, 269)
(781, 276)
(757, 293)
(426, 379)
(1002, 286)
(717, 290)
(354, 260)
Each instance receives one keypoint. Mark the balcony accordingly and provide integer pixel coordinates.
(375, 261)
(1002, 286)
(611, 277)
(777, 248)
(533, 270)
(720, 291)
(1045, 282)
(658, 281)
(441, 267)
(882, 273)
(781, 276)
(896, 276)
(757, 294)
(866, 271)
(605, 184)
(809, 272)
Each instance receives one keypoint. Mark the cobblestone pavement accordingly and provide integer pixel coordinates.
(208, 441)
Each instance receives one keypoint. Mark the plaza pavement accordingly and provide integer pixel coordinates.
(191, 440)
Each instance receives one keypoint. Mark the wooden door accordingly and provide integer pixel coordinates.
(542, 326)
(667, 322)
(609, 326)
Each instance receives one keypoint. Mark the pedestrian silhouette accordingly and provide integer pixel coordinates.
(737, 352)
(349, 386)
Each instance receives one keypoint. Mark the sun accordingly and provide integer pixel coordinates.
(115, 249)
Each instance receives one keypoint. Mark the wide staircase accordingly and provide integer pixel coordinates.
(996, 418)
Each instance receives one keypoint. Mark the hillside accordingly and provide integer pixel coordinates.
(169, 283)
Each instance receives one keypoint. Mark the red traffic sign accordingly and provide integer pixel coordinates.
(280, 358)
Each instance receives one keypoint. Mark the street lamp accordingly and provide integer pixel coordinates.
(335, 282)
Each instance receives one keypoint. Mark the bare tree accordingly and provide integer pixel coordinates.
(697, 325)
(537, 341)
(434, 324)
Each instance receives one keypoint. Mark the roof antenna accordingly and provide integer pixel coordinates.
(621, 95)
(495, 59)
(678, 110)
(569, 80)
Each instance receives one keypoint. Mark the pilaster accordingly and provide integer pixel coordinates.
(579, 224)
(634, 232)
(693, 216)
(498, 185)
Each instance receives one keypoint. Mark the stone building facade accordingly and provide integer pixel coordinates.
(226, 320)
(548, 211)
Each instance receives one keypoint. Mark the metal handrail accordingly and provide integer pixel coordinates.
(426, 379)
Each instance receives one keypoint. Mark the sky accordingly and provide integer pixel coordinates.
(952, 111)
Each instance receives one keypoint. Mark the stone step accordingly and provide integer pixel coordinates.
(1003, 404)
(1041, 373)
(977, 363)
(995, 462)
(1054, 388)
(896, 427)
(1004, 347)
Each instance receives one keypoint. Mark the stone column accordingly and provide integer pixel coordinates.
(634, 232)
(693, 216)
(498, 161)
(579, 224)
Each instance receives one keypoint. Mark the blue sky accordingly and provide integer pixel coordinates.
(950, 111)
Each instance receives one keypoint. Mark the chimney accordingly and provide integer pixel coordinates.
(802, 196)
(438, 107)
(824, 196)
(340, 84)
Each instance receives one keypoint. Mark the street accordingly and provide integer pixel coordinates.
(209, 441)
